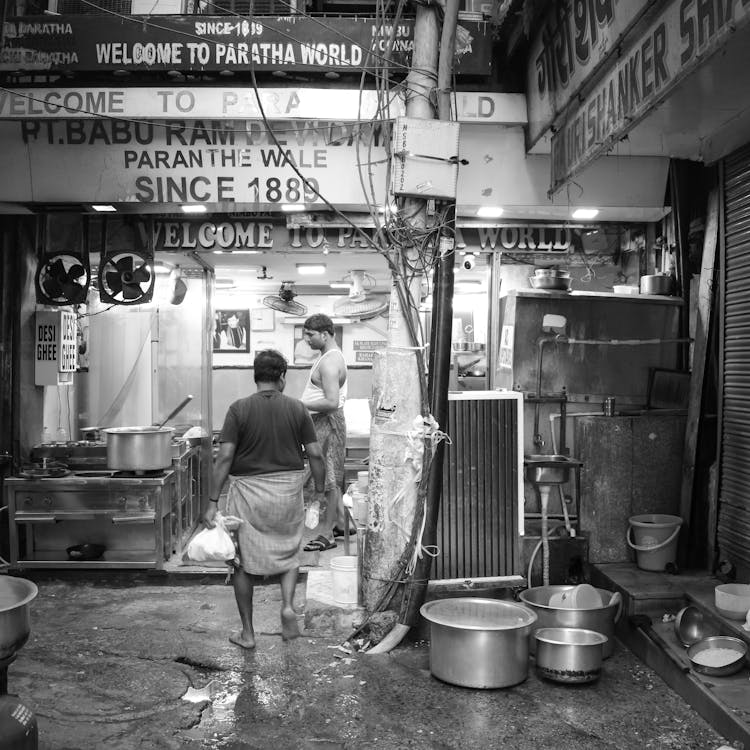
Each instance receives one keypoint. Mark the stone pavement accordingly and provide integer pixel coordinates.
(137, 664)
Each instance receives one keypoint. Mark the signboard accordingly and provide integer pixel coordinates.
(676, 42)
(573, 41)
(364, 351)
(536, 238)
(55, 347)
(240, 164)
(237, 233)
(219, 43)
(237, 102)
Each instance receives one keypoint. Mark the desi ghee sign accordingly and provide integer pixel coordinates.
(678, 40)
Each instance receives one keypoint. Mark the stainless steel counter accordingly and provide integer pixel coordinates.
(141, 520)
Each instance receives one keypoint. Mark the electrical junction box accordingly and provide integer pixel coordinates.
(55, 347)
(425, 158)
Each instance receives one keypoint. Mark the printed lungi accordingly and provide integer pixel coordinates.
(274, 518)
(331, 431)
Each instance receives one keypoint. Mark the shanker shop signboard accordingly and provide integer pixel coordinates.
(574, 39)
(676, 42)
(217, 43)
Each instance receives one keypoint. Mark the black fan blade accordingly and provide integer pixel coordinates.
(75, 272)
(56, 269)
(140, 274)
(131, 291)
(114, 281)
(51, 286)
(125, 265)
(73, 292)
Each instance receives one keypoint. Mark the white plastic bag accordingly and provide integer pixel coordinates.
(212, 545)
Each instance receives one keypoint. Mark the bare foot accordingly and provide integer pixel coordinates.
(289, 626)
(241, 641)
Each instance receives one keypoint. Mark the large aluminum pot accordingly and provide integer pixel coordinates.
(479, 643)
(16, 594)
(601, 619)
(658, 283)
(139, 448)
(570, 655)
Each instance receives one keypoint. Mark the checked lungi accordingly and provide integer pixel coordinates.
(274, 518)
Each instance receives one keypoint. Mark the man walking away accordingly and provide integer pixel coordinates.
(260, 453)
(324, 396)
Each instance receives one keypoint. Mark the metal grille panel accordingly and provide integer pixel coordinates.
(733, 534)
(478, 523)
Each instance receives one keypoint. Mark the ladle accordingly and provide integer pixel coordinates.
(176, 411)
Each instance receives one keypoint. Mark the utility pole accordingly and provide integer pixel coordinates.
(412, 493)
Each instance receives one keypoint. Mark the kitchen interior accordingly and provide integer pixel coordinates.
(101, 486)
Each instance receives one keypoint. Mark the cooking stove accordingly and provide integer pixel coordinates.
(79, 454)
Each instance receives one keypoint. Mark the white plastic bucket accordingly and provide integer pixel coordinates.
(654, 540)
(345, 575)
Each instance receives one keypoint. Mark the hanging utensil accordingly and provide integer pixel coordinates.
(177, 410)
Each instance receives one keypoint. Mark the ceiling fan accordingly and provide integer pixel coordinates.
(284, 300)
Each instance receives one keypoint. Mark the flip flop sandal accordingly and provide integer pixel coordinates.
(319, 544)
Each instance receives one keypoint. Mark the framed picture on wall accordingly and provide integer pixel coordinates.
(304, 354)
(231, 331)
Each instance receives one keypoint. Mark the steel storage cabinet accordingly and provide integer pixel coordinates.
(478, 526)
(131, 516)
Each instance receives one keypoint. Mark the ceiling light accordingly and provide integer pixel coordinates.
(489, 212)
(292, 207)
(103, 207)
(585, 213)
(339, 285)
(193, 208)
(311, 269)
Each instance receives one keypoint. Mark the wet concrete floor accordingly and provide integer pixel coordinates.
(114, 666)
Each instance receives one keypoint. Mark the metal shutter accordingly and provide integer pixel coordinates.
(733, 533)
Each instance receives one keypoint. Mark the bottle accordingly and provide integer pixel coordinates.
(46, 436)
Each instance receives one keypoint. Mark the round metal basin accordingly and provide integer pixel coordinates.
(547, 468)
(16, 594)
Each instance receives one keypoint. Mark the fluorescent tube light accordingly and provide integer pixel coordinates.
(293, 207)
(193, 208)
(311, 269)
(584, 213)
(489, 212)
(104, 208)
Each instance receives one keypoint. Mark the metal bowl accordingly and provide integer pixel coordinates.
(714, 642)
(550, 282)
(570, 655)
(689, 626)
(553, 272)
(85, 551)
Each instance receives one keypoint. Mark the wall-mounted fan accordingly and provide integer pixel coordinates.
(284, 300)
(62, 278)
(361, 303)
(126, 277)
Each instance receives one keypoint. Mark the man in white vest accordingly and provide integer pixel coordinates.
(324, 396)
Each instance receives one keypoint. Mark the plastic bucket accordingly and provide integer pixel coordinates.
(654, 540)
(344, 575)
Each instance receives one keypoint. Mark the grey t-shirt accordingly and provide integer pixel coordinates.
(269, 430)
